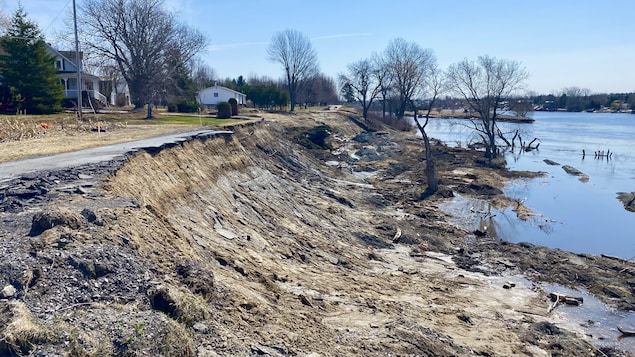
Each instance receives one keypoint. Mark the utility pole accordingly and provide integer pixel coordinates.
(78, 65)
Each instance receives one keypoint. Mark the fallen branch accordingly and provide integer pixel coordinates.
(564, 299)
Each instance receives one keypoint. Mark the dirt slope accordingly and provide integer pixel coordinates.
(252, 244)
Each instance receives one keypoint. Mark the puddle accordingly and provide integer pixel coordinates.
(480, 215)
(594, 319)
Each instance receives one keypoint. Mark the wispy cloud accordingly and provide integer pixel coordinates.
(341, 35)
(229, 46)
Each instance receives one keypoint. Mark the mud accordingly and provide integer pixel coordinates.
(261, 244)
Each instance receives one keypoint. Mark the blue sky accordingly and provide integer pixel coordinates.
(561, 43)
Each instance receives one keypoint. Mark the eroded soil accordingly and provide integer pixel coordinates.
(260, 243)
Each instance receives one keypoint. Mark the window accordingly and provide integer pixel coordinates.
(216, 95)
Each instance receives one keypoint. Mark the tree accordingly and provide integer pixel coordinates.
(484, 84)
(143, 40)
(4, 19)
(203, 75)
(408, 64)
(364, 82)
(27, 68)
(430, 89)
(295, 53)
(317, 90)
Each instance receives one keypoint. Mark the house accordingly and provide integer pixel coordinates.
(118, 89)
(65, 63)
(213, 95)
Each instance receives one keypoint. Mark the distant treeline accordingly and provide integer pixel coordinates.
(570, 100)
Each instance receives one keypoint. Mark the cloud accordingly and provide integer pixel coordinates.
(341, 35)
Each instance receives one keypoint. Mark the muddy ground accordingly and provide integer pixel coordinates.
(299, 235)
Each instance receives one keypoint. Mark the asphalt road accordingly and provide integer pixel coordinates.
(15, 169)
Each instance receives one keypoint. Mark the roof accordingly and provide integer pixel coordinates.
(224, 88)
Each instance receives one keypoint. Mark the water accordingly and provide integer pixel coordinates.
(575, 216)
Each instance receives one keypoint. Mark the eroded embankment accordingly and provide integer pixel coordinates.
(303, 258)
(249, 244)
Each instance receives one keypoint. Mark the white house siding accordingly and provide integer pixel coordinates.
(216, 94)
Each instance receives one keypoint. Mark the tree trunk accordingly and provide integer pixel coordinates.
(149, 111)
(433, 183)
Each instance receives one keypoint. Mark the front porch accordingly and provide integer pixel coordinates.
(89, 83)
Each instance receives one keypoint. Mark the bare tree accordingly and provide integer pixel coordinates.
(204, 76)
(431, 88)
(142, 39)
(4, 18)
(521, 106)
(384, 76)
(408, 64)
(295, 53)
(364, 77)
(485, 84)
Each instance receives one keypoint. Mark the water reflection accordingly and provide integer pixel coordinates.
(575, 216)
(598, 321)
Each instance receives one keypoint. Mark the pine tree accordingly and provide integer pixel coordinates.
(27, 68)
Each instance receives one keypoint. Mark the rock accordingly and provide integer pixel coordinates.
(551, 162)
(628, 199)
(89, 215)
(200, 327)
(226, 233)
(575, 172)
(8, 292)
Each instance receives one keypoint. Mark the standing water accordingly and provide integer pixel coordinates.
(582, 217)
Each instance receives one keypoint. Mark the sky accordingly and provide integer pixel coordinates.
(561, 43)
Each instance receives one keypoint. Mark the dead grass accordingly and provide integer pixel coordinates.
(20, 331)
(36, 135)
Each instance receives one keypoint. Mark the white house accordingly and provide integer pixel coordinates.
(216, 94)
(65, 63)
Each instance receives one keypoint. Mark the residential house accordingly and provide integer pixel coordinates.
(213, 95)
(65, 63)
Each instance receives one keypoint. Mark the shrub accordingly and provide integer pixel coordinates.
(185, 106)
(172, 108)
(234, 104)
(224, 110)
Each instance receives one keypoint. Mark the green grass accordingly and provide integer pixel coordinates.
(195, 120)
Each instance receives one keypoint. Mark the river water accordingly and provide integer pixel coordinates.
(582, 217)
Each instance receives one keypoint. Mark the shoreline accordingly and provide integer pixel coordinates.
(291, 252)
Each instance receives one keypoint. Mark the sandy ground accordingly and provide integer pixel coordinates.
(256, 245)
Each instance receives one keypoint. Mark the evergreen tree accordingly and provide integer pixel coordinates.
(27, 68)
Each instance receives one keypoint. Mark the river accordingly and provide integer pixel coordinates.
(582, 217)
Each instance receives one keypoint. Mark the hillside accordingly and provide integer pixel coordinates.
(255, 244)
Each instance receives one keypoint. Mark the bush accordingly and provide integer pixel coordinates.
(172, 108)
(185, 106)
(234, 104)
(224, 110)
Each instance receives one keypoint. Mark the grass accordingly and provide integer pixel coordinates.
(195, 120)
(23, 136)
(20, 332)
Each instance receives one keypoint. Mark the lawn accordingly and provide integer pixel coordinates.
(195, 120)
